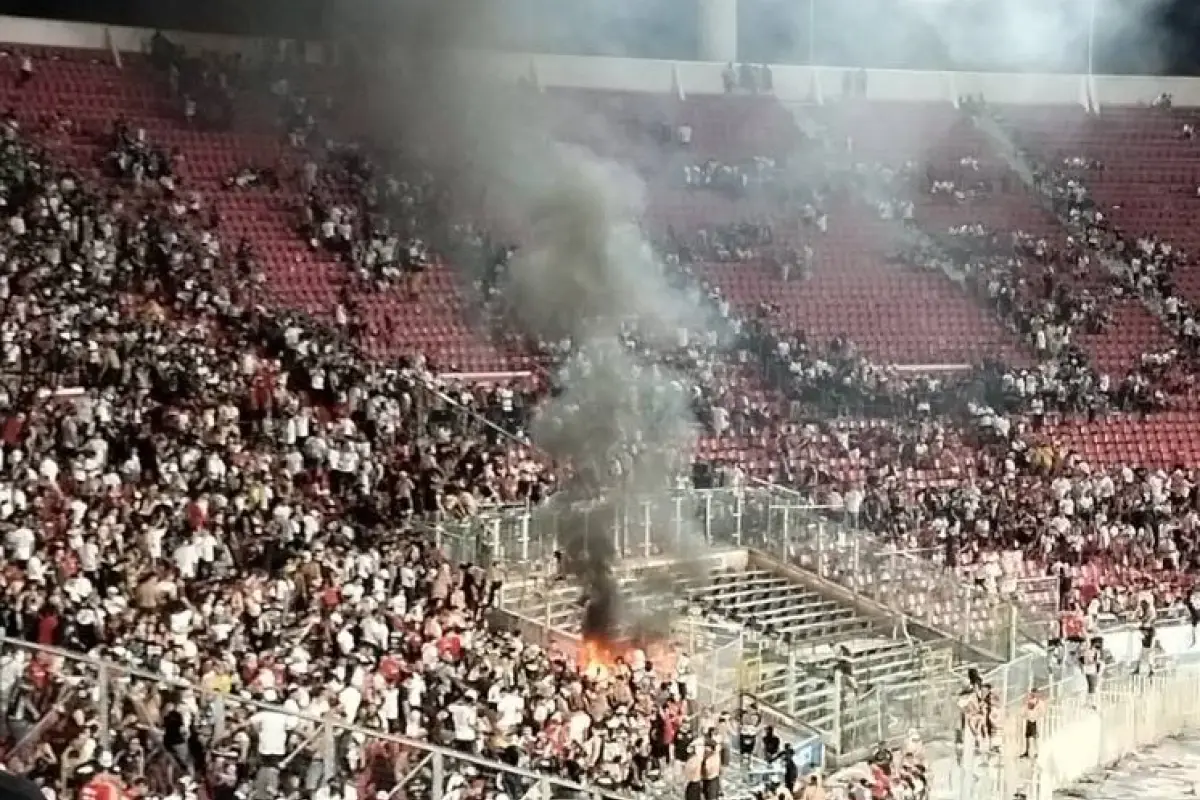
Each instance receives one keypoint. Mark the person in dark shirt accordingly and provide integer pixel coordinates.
(770, 743)
(175, 738)
(791, 771)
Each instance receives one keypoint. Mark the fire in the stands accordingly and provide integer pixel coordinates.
(598, 656)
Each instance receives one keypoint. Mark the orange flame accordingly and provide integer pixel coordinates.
(597, 658)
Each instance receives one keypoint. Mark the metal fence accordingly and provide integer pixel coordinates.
(321, 751)
(637, 527)
(1079, 734)
(781, 523)
(715, 652)
(905, 581)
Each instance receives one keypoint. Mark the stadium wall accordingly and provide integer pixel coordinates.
(1131, 713)
(1078, 735)
(791, 83)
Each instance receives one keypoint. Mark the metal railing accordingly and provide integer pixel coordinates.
(920, 588)
(321, 751)
(1078, 734)
(778, 521)
(638, 527)
(885, 712)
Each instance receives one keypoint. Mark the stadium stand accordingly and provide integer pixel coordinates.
(229, 455)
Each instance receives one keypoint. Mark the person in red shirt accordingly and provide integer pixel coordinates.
(40, 669)
(195, 515)
(12, 429)
(48, 626)
(389, 667)
(450, 646)
(881, 782)
(102, 787)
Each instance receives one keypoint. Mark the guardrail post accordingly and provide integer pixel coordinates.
(647, 524)
(1012, 631)
(792, 691)
(819, 556)
(439, 776)
(495, 550)
(883, 719)
(836, 725)
(738, 508)
(708, 513)
(102, 703)
(523, 522)
(328, 753)
(786, 539)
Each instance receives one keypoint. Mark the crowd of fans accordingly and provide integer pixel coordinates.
(253, 525)
(1046, 290)
(256, 525)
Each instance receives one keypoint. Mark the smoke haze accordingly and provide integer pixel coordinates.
(1016, 36)
(583, 273)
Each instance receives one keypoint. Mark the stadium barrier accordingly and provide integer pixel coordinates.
(99, 688)
(1077, 734)
(777, 521)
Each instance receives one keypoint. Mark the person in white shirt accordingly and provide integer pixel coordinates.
(187, 558)
(20, 543)
(350, 699)
(465, 718)
(511, 708)
(271, 729)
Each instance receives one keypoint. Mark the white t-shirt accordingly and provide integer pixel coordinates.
(187, 556)
(272, 728)
(350, 699)
(578, 726)
(464, 717)
(512, 708)
(21, 542)
(416, 688)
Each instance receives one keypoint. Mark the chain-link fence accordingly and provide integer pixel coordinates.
(637, 527)
(907, 581)
(716, 656)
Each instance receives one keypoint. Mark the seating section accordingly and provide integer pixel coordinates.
(948, 146)
(773, 605)
(765, 602)
(854, 290)
(1149, 169)
(1164, 441)
(911, 586)
(800, 635)
(88, 89)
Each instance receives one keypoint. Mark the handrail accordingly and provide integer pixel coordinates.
(108, 669)
(770, 710)
(470, 412)
(1081, 733)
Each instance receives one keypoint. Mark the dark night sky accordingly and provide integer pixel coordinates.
(869, 33)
